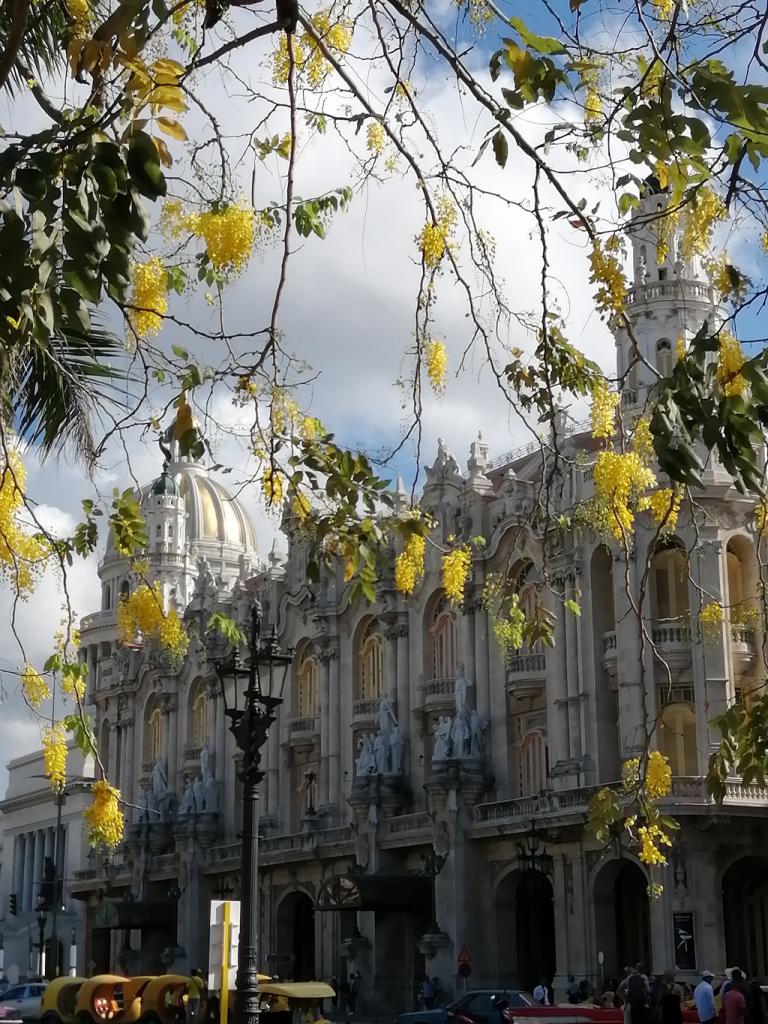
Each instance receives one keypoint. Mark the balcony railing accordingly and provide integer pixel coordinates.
(526, 671)
(192, 754)
(302, 727)
(404, 823)
(365, 710)
(545, 804)
(437, 693)
(295, 842)
(694, 788)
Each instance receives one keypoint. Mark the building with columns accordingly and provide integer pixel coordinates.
(36, 835)
(425, 793)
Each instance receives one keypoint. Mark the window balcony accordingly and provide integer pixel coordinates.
(365, 711)
(672, 639)
(303, 729)
(526, 673)
(743, 650)
(437, 695)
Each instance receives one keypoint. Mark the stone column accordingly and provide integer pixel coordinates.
(19, 861)
(466, 630)
(273, 771)
(710, 668)
(631, 693)
(50, 839)
(334, 725)
(129, 759)
(39, 859)
(404, 686)
(557, 693)
(325, 698)
(172, 741)
(112, 758)
(29, 871)
(482, 682)
(572, 673)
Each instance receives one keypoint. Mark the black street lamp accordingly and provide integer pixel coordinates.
(41, 922)
(251, 709)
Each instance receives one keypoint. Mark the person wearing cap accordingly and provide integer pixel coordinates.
(704, 997)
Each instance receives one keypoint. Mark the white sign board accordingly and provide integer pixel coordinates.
(222, 943)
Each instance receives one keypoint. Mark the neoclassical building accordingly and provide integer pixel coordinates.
(425, 794)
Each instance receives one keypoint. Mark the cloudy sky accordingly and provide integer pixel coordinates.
(348, 310)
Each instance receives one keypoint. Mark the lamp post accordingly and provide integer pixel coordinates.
(533, 860)
(251, 713)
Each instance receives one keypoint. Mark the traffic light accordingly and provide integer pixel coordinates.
(12, 904)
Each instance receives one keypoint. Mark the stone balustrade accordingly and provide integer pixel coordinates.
(365, 710)
(545, 804)
(408, 823)
(302, 727)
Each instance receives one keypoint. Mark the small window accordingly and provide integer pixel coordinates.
(664, 357)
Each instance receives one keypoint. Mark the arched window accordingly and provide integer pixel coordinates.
(370, 663)
(677, 738)
(735, 579)
(198, 717)
(529, 763)
(155, 735)
(670, 584)
(124, 589)
(306, 686)
(664, 357)
(443, 636)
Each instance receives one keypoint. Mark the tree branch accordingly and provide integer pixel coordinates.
(263, 30)
(15, 36)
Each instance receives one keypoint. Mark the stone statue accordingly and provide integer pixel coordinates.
(460, 687)
(199, 794)
(366, 762)
(159, 780)
(461, 733)
(442, 739)
(397, 750)
(444, 458)
(387, 719)
(211, 793)
(143, 804)
(381, 753)
(205, 757)
(187, 805)
(477, 728)
(205, 591)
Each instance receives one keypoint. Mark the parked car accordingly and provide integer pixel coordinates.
(24, 999)
(485, 1003)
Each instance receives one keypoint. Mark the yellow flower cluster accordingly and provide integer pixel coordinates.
(456, 567)
(141, 616)
(658, 776)
(272, 486)
(611, 295)
(310, 428)
(436, 235)
(72, 686)
(664, 506)
(55, 755)
(593, 104)
(729, 363)
(700, 221)
(105, 822)
(725, 278)
(761, 514)
(711, 620)
(620, 478)
(21, 556)
(666, 225)
(229, 233)
(307, 55)
(642, 439)
(375, 137)
(81, 14)
(436, 359)
(409, 564)
(681, 347)
(34, 687)
(664, 8)
(301, 507)
(630, 774)
(651, 837)
(149, 297)
(604, 404)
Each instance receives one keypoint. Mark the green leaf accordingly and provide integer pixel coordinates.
(500, 148)
(543, 44)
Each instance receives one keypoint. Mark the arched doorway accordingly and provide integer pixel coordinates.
(296, 934)
(745, 913)
(622, 925)
(525, 929)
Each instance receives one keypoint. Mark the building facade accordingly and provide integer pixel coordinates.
(41, 831)
(425, 794)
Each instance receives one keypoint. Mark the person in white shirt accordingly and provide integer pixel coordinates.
(540, 994)
(704, 997)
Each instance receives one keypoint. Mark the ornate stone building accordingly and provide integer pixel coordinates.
(423, 793)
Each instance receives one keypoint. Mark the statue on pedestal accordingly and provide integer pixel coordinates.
(159, 780)
(366, 762)
(442, 750)
(187, 805)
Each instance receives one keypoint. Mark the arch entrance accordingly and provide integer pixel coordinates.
(525, 929)
(296, 934)
(622, 919)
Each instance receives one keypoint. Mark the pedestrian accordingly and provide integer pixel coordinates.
(195, 992)
(704, 997)
(734, 1000)
(213, 1010)
(638, 996)
(438, 996)
(670, 1001)
(573, 990)
(344, 994)
(426, 994)
(540, 994)
(354, 985)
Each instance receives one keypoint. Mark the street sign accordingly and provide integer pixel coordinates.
(222, 949)
(464, 957)
(464, 962)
